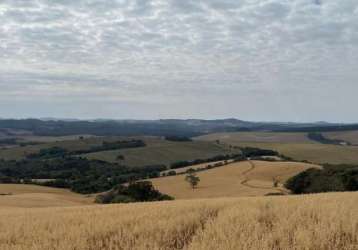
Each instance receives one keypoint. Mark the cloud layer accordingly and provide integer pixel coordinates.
(252, 59)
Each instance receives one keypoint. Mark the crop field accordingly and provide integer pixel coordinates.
(30, 196)
(348, 136)
(268, 137)
(249, 178)
(162, 152)
(313, 152)
(315, 222)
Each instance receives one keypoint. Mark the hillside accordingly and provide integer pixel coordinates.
(285, 144)
(348, 136)
(162, 152)
(249, 178)
(26, 196)
(156, 151)
(324, 221)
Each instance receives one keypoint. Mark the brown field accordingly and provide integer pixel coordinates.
(312, 222)
(269, 137)
(249, 178)
(313, 152)
(348, 136)
(26, 196)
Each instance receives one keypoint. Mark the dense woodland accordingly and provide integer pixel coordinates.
(329, 179)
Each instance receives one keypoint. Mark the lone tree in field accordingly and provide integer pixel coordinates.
(192, 179)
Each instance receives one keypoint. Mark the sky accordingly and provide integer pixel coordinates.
(259, 60)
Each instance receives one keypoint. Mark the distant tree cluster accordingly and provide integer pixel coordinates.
(178, 138)
(256, 152)
(332, 178)
(55, 152)
(319, 137)
(135, 192)
(181, 164)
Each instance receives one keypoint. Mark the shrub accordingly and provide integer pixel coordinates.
(134, 192)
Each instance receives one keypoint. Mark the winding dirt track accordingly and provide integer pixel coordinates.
(246, 180)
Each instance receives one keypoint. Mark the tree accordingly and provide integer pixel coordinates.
(192, 179)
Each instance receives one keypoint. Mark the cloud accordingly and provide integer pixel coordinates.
(222, 52)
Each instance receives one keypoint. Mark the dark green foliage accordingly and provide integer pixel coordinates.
(192, 179)
(171, 173)
(315, 136)
(48, 153)
(331, 178)
(78, 174)
(178, 138)
(181, 164)
(135, 192)
(255, 152)
(55, 152)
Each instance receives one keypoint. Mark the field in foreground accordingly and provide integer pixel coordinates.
(313, 222)
(30, 196)
(248, 178)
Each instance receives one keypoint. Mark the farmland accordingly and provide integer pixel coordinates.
(249, 178)
(324, 221)
(156, 151)
(311, 151)
(348, 136)
(162, 152)
(26, 196)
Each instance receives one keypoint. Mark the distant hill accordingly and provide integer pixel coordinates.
(189, 127)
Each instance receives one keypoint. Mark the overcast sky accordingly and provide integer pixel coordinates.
(272, 60)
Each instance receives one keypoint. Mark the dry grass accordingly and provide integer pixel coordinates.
(253, 178)
(29, 196)
(315, 222)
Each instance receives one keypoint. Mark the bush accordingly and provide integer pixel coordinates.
(171, 173)
(135, 192)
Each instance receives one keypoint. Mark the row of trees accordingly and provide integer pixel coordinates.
(55, 152)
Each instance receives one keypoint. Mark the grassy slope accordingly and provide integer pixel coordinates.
(162, 152)
(157, 151)
(269, 137)
(27, 196)
(21, 152)
(324, 221)
(314, 152)
(254, 178)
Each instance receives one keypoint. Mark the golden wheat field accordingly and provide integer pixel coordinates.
(28, 196)
(311, 222)
(249, 178)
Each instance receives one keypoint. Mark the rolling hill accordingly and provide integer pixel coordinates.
(26, 196)
(248, 178)
(287, 145)
(156, 151)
